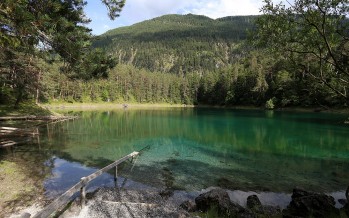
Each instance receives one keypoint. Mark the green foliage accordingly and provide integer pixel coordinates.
(114, 7)
(182, 60)
(178, 43)
(270, 104)
(313, 36)
(94, 64)
(25, 109)
(51, 30)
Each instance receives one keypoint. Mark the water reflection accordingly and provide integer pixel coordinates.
(192, 149)
(238, 130)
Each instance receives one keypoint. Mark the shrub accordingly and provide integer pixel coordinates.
(270, 104)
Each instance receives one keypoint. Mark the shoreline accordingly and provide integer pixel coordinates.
(277, 200)
(276, 203)
(113, 106)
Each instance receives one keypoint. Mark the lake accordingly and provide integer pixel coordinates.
(193, 148)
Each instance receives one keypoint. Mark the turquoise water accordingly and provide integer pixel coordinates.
(191, 149)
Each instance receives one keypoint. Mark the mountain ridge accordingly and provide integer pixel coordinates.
(178, 43)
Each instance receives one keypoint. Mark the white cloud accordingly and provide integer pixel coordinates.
(222, 8)
(140, 10)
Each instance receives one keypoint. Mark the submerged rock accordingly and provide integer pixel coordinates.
(255, 205)
(253, 202)
(166, 193)
(343, 202)
(218, 199)
(311, 204)
(189, 206)
(226, 184)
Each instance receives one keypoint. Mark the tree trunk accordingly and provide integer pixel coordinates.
(19, 98)
(37, 96)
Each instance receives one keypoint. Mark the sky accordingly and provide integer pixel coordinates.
(139, 10)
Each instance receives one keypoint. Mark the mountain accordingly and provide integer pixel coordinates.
(178, 43)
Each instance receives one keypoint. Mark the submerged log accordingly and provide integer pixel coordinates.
(44, 118)
(8, 128)
(10, 132)
(5, 144)
(9, 143)
(13, 136)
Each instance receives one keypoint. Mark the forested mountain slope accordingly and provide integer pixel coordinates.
(179, 43)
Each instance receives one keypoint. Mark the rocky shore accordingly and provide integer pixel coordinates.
(116, 202)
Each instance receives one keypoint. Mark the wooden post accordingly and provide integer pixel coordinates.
(65, 198)
(116, 172)
(116, 176)
(83, 192)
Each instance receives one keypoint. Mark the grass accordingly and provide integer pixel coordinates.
(16, 189)
(25, 109)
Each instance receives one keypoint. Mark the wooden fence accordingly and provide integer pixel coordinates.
(80, 186)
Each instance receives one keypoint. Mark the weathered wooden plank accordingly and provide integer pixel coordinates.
(59, 202)
(5, 142)
(45, 118)
(6, 131)
(8, 144)
(7, 128)
(19, 132)
(80, 186)
(110, 166)
(9, 131)
(121, 203)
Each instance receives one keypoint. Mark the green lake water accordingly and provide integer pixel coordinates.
(191, 149)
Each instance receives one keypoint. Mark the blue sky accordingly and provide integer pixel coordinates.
(140, 10)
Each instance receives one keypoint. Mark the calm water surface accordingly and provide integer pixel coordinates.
(191, 149)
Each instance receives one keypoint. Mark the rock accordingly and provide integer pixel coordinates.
(343, 202)
(345, 210)
(247, 214)
(25, 215)
(271, 211)
(218, 199)
(189, 206)
(346, 206)
(226, 184)
(253, 202)
(311, 204)
(166, 193)
(126, 203)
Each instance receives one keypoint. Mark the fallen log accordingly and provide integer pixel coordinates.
(10, 143)
(7, 144)
(9, 131)
(8, 128)
(44, 118)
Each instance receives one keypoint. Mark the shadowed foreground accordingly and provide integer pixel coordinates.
(107, 202)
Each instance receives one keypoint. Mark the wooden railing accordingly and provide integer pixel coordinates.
(81, 186)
